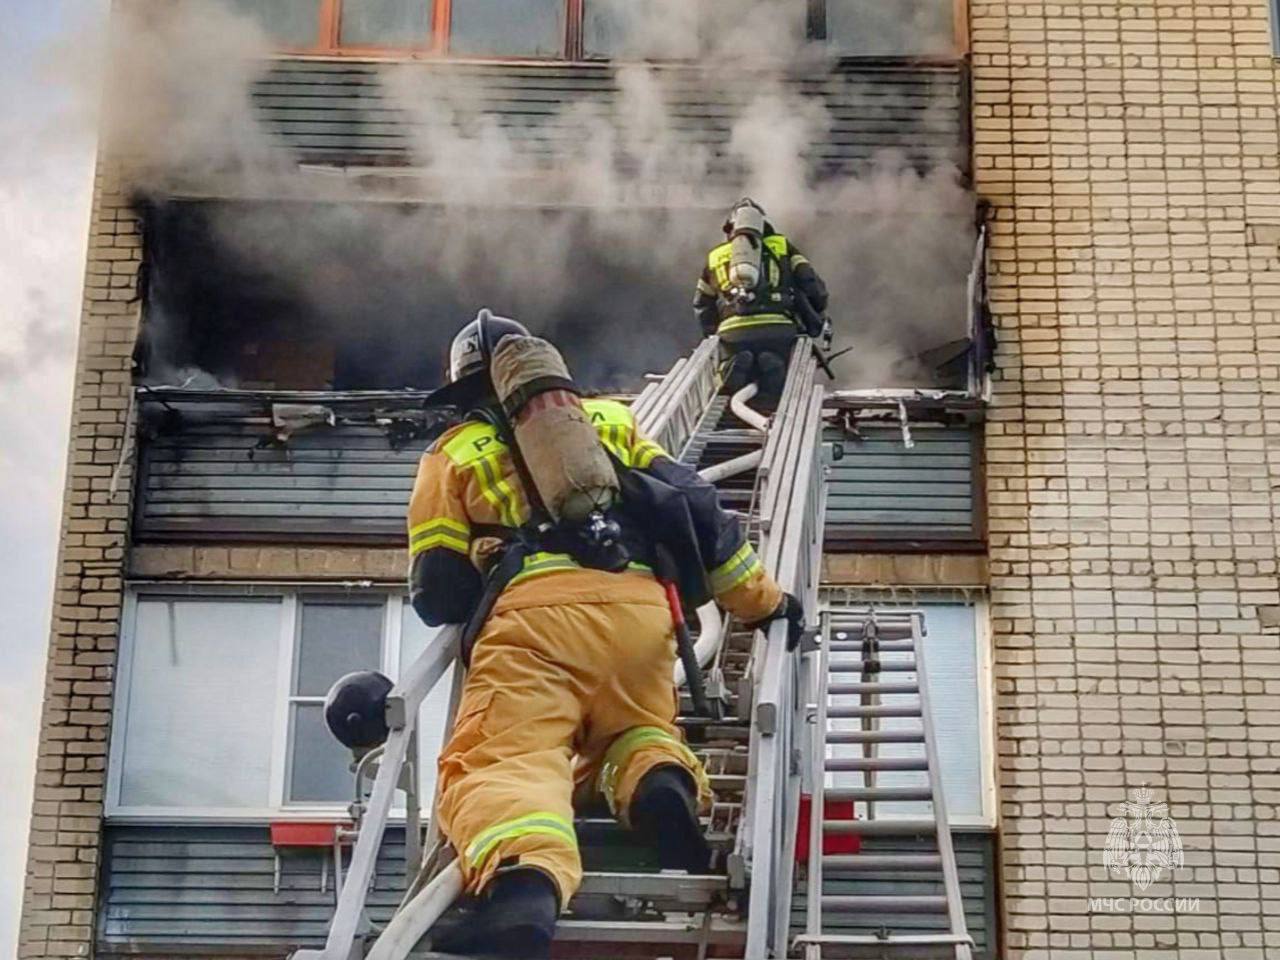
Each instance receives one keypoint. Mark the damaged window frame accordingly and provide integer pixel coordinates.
(436, 42)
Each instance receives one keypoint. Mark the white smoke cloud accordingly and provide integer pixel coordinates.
(646, 197)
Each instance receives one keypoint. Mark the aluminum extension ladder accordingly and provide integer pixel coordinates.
(872, 697)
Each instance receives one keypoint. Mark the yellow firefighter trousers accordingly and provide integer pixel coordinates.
(548, 683)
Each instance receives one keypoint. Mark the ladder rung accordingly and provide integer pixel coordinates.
(884, 646)
(655, 931)
(916, 945)
(850, 764)
(879, 794)
(875, 736)
(881, 710)
(882, 861)
(870, 903)
(882, 666)
(847, 689)
(880, 828)
(671, 888)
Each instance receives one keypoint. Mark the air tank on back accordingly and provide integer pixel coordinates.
(566, 461)
(745, 245)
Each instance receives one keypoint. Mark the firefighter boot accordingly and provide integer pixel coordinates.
(517, 918)
(664, 812)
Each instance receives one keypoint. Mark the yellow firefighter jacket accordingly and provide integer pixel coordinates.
(468, 488)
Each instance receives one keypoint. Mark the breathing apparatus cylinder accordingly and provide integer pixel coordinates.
(561, 449)
(746, 243)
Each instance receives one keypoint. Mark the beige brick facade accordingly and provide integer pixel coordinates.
(1131, 152)
(57, 911)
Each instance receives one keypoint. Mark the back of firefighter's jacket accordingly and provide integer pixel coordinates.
(774, 302)
(468, 500)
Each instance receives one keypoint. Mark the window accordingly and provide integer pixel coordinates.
(219, 706)
(189, 660)
(507, 28)
(626, 30)
(384, 23)
(334, 638)
(959, 671)
(882, 28)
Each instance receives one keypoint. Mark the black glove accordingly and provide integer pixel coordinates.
(791, 610)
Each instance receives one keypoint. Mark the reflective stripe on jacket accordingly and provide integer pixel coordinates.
(774, 302)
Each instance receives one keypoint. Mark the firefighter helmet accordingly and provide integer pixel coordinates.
(355, 709)
(746, 212)
(473, 346)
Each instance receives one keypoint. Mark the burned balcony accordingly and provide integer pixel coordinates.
(277, 466)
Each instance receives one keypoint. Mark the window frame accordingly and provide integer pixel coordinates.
(984, 666)
(328, 41)
(277, 808)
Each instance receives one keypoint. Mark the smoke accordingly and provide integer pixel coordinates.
(179, 96)
(592, 229)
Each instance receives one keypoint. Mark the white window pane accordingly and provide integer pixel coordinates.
(291, 23)
(867, 28)
(319, 766)
(507, 28)
(625, 29)
(433, 715)
(952, 664)
(386, 23)
(336, 638)
(201, 697)
(952, 652)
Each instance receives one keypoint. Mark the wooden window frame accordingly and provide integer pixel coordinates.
(329, 39)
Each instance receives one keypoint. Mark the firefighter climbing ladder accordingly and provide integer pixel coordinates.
(770, 471)
(884, 652)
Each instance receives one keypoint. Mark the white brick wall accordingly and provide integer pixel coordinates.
(1132, 153)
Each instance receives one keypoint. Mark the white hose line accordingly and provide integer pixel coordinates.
(738, 404)
(411, 923)
(710, 636)
(731, 468)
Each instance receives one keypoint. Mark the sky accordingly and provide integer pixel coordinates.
(45, 182)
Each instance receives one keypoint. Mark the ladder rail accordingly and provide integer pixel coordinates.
(950, 873)
(790, 498)
(675, 409)
(402, 717)
(818, 802)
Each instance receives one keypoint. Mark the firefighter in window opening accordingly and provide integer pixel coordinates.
(569, 693)
(758, 293)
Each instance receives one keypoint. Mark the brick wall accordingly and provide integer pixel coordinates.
(1131, 151)
(61, 884)
(57, 913)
